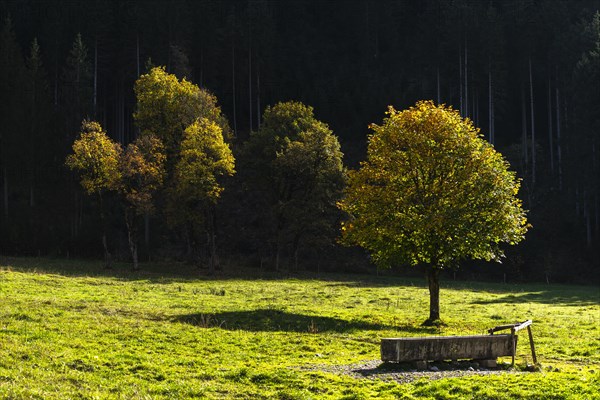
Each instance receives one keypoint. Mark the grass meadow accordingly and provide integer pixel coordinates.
(69, 329)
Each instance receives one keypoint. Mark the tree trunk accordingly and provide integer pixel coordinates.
(107, 255)
(296, 250)
(95, 95)
(32, 154)
(532, 127)
(137, 55)
(588, 220)
(147, 234)
(558, 140)
(466, 82)
(433, 279)
(132, 238)
(212, 243)
(5, 191)
(188, 232)
(277, 255)
(233, 86)
(250, 82)
(597, 214)
(439, 97)
(550, 119)
(277, 250)
(460, 79)
(257, 96)
(490, 103)
(524, 143)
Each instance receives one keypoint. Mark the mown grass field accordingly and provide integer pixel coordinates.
(68, 329)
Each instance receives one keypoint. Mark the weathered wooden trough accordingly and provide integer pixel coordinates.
(484, 348)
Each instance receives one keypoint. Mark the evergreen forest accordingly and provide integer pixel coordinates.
(526, 72)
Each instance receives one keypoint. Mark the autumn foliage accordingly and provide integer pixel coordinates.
(432, 192)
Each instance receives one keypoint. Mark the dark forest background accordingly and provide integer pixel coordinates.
(526, 72)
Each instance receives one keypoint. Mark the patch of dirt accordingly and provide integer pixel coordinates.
(406, 373)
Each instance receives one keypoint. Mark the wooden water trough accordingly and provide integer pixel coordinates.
(483, 348)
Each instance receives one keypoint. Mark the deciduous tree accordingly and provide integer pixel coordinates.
(166, 106)
(295, 165)
(189, 122)
(432, 193)
(204, 158)
(96, 158)
(142, 171)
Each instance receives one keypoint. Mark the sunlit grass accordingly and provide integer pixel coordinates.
(68, 329)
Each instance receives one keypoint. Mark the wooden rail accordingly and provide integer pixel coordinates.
(514, 328)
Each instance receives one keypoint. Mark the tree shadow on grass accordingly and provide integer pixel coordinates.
(582, 298)
(272, 320)
(168, 272)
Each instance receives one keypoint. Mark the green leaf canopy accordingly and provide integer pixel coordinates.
(431, 192)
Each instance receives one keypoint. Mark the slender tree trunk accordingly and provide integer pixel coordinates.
(132, 238)
(475, 106)
(594, 196)
(32, 192)
(490, 103)
(558, 141)
(588, 219)
(107, 255)
(233, 86)
(122, 111)
(376, 25)
(75, 214)
(277, 255)
(433, 280)
(250, 82)
(137, 54)
(212, 243)
(257, 96)
(524, 143)
(32, 147)
(95, 96)
(189, 239)
(597, 215)
(466, 82)
(460, 80)
(201, 66)
(5, 191)
(438, 85)
(296, 245)
(56, 71)
(147, 231)
(532, 126)
(277, 248)
(550, 119)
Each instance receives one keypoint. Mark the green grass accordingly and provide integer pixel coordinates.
(68, 329)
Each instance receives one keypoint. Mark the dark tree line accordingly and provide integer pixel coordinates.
(527, 72)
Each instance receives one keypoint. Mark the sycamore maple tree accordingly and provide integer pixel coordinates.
(166, 106)
(189, 122)
(136, 174)
(96, 158)
(432, 192)
(204, 158)
(142, 168)
(294, 163)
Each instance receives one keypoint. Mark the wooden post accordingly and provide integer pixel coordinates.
(514, 344)
(532, 345)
